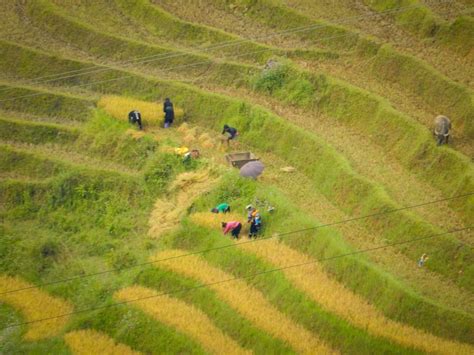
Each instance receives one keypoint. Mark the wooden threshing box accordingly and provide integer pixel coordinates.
(238, 160)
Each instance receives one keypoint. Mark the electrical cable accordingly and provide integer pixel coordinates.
(250, 276)
(218, 46)
(276, 235)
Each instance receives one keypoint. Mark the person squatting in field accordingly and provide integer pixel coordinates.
(135, 117)
(169, 112)
(422, 260)
(221, 208)
(234, 227)
(231, 131)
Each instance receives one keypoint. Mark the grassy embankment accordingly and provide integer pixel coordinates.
(233, 111)
(127, 85)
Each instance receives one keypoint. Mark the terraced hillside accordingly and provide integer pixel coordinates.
(107, 242)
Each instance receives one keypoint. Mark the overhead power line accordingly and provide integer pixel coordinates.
(250, 276)
(237, 41)
(207, 61)
(158, 57)
(276, 235)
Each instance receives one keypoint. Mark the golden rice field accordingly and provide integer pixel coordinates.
(246, 300)
(35, 304)
(152, 113)
(185, 318)
(87, 341)
(313, 280)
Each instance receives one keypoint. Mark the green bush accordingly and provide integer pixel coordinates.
(270, 80)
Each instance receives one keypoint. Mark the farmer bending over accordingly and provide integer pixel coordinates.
(221, 208)
(233, 226)
(231, 131)
(135, 117)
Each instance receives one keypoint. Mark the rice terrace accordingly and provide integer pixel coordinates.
(236, 176)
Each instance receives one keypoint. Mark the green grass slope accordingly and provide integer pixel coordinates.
(81, 191)
(330, 179)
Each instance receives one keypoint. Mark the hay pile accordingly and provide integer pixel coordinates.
(206, 141)
(183, 128)
(168, 212)
(185, 180)
(193, 136)
(152, 113)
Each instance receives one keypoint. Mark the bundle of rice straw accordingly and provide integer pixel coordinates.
(207, 144)
(189, 138)
(183, 128)
(189, 178)
(204, 137)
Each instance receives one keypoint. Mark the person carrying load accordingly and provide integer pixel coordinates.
(135, 117)
(221, 208)
(234, 227)
(252, 212)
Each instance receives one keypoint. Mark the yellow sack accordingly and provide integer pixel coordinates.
(181, 150)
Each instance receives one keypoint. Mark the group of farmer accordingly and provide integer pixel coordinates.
(234, 227)
(135, 117)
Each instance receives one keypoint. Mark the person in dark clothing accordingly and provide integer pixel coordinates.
(232, 132)
(135, 117)
(255, 226)
(169, 112)
(253, 230)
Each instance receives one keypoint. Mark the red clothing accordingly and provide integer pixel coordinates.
(230, 226)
